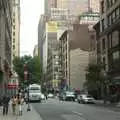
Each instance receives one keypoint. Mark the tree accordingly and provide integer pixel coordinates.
(34, 69)
(94, 78)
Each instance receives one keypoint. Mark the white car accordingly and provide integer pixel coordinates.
(42, 96)
(50, 95)
(85, 99)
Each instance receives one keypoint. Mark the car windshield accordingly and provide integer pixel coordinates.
(34, 88)
(69, 92)
(89, 96)
(34, 91)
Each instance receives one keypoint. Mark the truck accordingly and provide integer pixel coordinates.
(34, 92)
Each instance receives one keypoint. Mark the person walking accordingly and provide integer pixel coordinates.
(14, 103)
(5, 103)
(20, 103)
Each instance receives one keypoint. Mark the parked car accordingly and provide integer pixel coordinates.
(42, 96)
(50, 95)
(85, 99)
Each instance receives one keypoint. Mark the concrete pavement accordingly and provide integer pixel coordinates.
(31, 115)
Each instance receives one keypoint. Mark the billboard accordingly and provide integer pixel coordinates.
(51, 26)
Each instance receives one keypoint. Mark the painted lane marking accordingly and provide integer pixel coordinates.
(80, 114)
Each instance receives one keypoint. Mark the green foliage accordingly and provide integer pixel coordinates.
(34, 68)
(94, 79)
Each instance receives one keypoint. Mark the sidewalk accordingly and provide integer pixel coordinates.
(31, 115)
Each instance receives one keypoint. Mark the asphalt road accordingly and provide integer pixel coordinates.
(53, 109)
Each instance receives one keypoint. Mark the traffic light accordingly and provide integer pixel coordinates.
(25, 72)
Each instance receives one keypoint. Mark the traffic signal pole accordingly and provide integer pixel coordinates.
(26, 79)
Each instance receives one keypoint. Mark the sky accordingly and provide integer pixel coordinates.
(30, 15)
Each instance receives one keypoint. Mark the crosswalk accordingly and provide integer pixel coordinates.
(57, 101)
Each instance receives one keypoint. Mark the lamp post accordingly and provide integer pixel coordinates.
(26, 79)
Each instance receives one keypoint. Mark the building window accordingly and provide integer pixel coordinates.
(103, 25)
(110, 41)
(13, 33)
(115, 38)
(111, 3)
(14, 14)
(113, 17)
(13, 26)
(104, 63)
(102, 7)
(13, 46)
(117, 13)
(109, 20)
(103, 44)
(13, 40)
(116, 55)
(13, 20)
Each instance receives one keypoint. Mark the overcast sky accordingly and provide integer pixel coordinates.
(30, 15)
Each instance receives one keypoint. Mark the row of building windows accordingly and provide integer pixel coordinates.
(111, 18)
(94, 18)
(109, 4)
(112, 40)
(114, 16)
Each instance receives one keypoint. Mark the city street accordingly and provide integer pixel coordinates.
(53, 109)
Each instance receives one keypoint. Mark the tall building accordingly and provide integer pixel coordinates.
(42, 46)
(74, 56)
(94, 5)
(48, 4)
(5, 43)
(15, 45)
(80, 6)
(35, 51)
(108, 42)
(16, 29)
(64, 59)
(91, 19)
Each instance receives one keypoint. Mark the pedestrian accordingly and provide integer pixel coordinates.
(20, 103)
(46, 96)
(5, 103)
(14, 104)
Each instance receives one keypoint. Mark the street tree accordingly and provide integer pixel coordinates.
(33, 65)
(94, 78)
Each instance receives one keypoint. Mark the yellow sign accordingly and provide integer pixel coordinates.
(51, 26)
